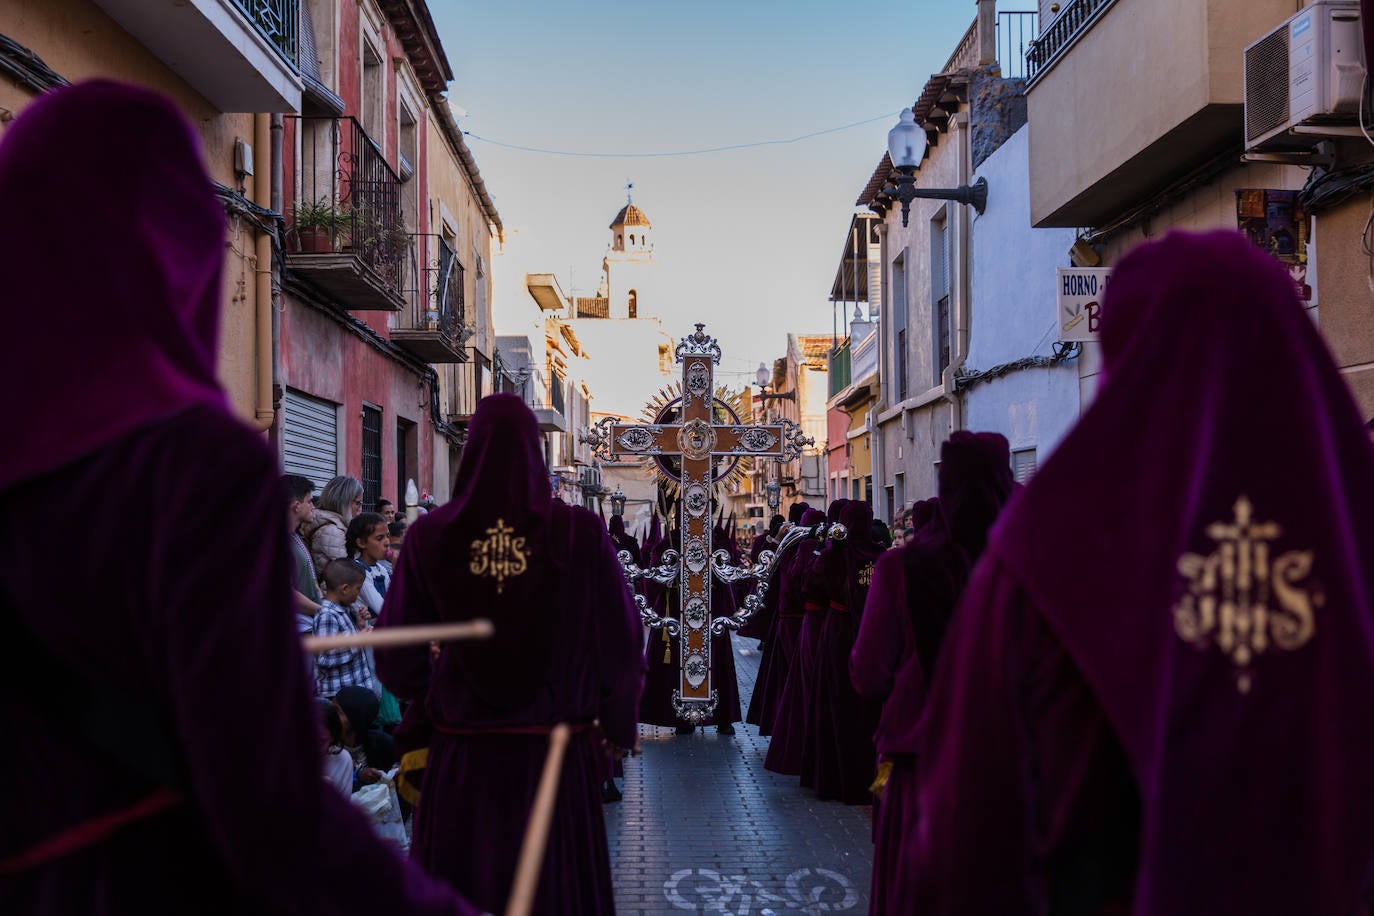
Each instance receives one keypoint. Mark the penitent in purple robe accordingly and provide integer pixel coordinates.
(1174, 720)
(147, 573)
(843, 721)
(565, 649)
(785, 598)
(791, 751)
(914, 594)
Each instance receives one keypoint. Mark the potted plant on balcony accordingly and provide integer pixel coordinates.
(318, 225)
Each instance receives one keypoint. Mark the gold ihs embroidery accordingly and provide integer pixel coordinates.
(866, 575)
(1240, 600)
(499, 556)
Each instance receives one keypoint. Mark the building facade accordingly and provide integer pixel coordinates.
(1188, 157)
(246, 67)
(389, 236)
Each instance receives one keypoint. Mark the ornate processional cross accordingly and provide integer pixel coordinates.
(700, 444)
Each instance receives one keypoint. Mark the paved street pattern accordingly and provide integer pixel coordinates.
(705, 828)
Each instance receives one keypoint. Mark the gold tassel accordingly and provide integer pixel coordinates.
(879, 784)
(411, 762)
(667, 648)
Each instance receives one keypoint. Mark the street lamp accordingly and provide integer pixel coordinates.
(906, 144)
(762, 375)
(774, 491)
(617, 502)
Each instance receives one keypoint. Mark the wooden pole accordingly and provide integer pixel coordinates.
(391, 637)
(537, 833)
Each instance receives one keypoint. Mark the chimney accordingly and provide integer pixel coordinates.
(987, 32)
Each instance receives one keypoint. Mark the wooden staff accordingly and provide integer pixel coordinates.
(537, 833)
(390, 637)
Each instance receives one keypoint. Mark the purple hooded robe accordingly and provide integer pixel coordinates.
(1159, 700)
(843, 721)
(784, 602)
(914, 594)
(172, 632)
(790, 751)
(565, 649)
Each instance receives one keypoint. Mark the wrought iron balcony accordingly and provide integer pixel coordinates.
(465, 384)
(345, 230)
(277, 21)
(1015, 38)
(1076, 17)
(436, 325)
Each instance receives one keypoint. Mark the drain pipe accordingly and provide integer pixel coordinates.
(264, 415)
(962, 285)
(277, 391)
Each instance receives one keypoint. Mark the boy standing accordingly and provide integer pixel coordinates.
(336, 669)
(306, 581)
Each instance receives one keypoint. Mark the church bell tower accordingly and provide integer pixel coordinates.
(629, 263)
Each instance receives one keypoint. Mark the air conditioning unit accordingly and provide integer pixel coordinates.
(1304, 76)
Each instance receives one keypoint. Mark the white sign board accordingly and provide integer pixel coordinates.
(1078, 298)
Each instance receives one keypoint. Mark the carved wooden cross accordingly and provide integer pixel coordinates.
(698, 442)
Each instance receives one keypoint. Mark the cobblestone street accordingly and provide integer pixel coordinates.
(705, 828)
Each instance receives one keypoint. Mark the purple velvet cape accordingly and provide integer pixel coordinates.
(566, 649)
(1252, 800)
(186, 610)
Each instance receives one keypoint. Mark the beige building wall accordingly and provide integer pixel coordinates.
(1163, 76)
(78, 41)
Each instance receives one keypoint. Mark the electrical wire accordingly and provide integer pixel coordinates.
(680, 153)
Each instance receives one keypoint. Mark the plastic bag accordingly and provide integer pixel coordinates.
(382, 807)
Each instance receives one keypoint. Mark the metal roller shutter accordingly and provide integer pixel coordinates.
(311, 437)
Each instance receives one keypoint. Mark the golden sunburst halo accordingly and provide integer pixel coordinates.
(725, 402)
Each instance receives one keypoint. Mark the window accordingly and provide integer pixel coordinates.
(619, 241)
(899, 490)
(632, 240)
(899, 389)
(633, 304)
(407, 455)
(372, 457)
(868, 490)
(939, 294)
(374, 93)
(1023, 464)
(891, 512)
(410, 158)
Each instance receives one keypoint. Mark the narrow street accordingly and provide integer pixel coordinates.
(705, 828)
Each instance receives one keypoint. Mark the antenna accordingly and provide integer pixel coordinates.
(629, 192)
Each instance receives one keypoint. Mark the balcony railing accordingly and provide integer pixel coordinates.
(1015, 37)
(278, 22)
(466, 383)
(1073, 20)
(839, 369)
(345, 230)
(435, 324)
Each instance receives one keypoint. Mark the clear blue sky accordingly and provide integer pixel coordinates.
(747, 241)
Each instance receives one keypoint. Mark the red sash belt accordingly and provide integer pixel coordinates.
(813, 606)
(88, 833)
(842, 608)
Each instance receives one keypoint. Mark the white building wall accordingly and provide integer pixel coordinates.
(1013, 297)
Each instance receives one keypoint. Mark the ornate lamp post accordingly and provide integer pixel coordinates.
(617, 502)
(906, 144)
